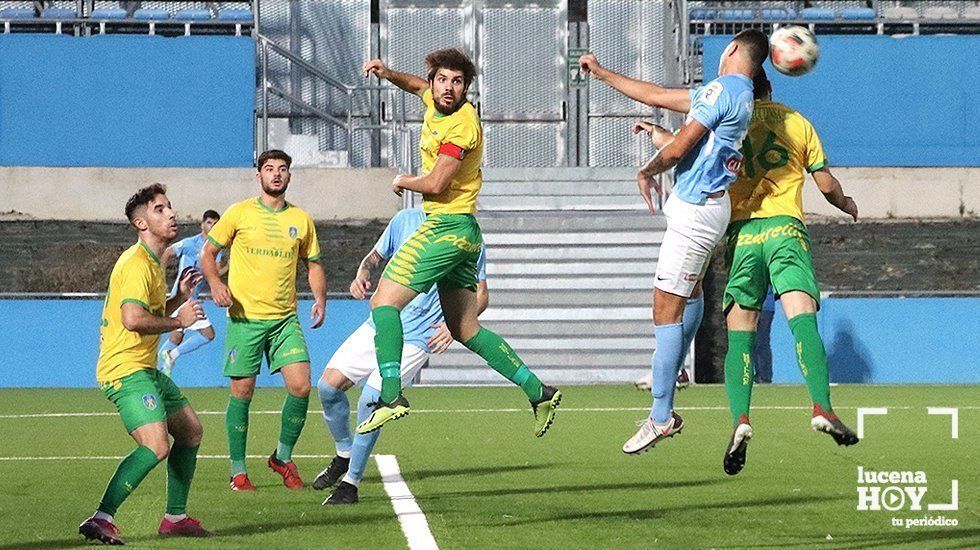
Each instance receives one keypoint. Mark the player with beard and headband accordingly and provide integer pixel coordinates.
(446, 247)
(267, 237)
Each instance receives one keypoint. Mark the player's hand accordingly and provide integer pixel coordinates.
(647, 182)
(189, 278)
(221, 294)
(850, 207)
(360, 285)
(441, 339)
(397, 184)
(642, 126)
(190, 313)
(318, 312)
(376, 67)
(590, 65)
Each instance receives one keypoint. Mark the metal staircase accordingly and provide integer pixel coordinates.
(571, 254)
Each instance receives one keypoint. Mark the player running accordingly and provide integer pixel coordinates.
(188, 253)
(136, 311)
(425, 333)
(267, 236)
(768, 243)
(705, 153)
(445, 248)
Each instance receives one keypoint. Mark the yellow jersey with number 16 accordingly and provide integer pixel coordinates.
(137, 277)
(459, 135)
(780, 146)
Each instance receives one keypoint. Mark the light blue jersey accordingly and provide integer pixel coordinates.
(425, 310)
(724, 107)
(188, 253)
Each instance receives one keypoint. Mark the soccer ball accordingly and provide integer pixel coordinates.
(794, 50)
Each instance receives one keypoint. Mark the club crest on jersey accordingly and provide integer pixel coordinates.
(293, 232)
(150, 401)
(232, 355)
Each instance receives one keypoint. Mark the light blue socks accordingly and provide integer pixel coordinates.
(363, 443)
(336, 415)
(666, 365)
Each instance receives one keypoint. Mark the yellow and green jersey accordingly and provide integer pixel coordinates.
(780, 146)
(459, 135)
(265, 247)
(137, 277)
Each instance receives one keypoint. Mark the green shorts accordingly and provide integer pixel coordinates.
(247, 341)
(144, 397)
(767, 250)
(443, 250)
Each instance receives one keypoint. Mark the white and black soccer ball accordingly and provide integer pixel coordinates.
(794, 50)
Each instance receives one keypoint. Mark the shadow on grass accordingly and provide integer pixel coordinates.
(416, 475)
(592, 487)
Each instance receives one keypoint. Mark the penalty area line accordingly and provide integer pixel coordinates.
(410, 516)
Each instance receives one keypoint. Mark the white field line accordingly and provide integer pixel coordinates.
(410, 516)
(457, 411)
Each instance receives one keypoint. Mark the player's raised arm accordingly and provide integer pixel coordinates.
(834, 193)
(408, 82)
(667, 157)
(648, 93)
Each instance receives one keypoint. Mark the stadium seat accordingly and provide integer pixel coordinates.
(17, 13)
(192, 14)
(940, 13)
(857, 14)
(778, 14)
(817, 14)
(235, 14)
(735, 15)
(699, 15)
(147, 14)
(900, 13)
(58, 13)
(108, 13)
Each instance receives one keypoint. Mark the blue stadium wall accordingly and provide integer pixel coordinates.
(126, 101)
(54, 343)
(885, 101)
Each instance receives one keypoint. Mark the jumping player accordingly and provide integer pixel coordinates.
(446, 247)
(151, 406)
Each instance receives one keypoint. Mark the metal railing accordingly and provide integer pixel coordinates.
(378, 97)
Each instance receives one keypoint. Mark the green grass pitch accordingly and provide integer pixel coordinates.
(483, 480)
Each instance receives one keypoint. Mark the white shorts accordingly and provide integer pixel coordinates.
(200, 324)
(356, 359)
(693, 231)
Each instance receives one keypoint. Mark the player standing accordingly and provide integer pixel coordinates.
(768, 244)
(136, 311)
(705, 153)
(267, 237)
(425, 333)
(445, 248)
(188, 253)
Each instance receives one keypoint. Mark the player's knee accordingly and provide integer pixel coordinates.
(159, 446)
(299, 389)
(327, 392)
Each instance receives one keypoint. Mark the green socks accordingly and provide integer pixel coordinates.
(812, 358)
(293, 419)
(128, 476)
(502, 358)
(739, 373)
(236, 424)
(388, 343)
(180, 471)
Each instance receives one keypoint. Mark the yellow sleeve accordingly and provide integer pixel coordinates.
(224, 230)
(310, 247)
(465, 135)
(427, 98)
(815, 157)
(134, 285)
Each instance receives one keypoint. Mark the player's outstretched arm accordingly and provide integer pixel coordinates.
(666, 158)
(408, 82)
(362, 280)
(433, 183)
(318, 284)
(645, 92)
(659, 135)
(220, 292)
(834, 193)
(136, 318)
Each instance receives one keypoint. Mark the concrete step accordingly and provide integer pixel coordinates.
(639, 281)
(495, 268)
(572, 252)
(584, 188)
(594, 237)
(572, 297)
(558, 376)
(572, 344)
(518, 203)
(569, 174)
(545, 359)
(578, 329)
(494, 222)
(573, 313)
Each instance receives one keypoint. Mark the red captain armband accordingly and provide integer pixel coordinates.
(452, 150)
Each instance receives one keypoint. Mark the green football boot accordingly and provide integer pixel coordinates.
(384, 413)
(544, 409)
